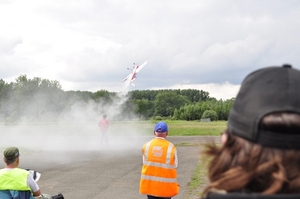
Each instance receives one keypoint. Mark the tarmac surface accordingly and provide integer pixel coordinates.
(111, 171)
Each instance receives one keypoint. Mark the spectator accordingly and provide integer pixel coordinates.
(159, 175)
(104, 125)
(15, 181)
(260, 152)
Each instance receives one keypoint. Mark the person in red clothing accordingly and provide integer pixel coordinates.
(104, 125)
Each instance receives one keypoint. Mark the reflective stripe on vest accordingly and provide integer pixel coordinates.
(15, 179)
(158, 178)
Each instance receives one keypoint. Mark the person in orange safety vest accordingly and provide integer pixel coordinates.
(159, 175)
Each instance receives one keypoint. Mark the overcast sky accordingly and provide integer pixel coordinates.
(88, 45)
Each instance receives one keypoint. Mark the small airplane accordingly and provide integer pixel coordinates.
(132, 76)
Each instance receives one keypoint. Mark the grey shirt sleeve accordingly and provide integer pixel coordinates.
(32, 184)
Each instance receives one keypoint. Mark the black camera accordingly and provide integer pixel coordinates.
(58, 196)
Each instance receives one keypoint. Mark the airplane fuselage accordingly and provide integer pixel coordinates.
(131, 77)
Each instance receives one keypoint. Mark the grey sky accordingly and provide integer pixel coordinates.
(88, 45)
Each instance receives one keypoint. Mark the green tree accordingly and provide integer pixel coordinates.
(210, 114)
(144, 108)
(7, 100)
(166, 102)
(37, 96)
(103, 96)
(176, 115)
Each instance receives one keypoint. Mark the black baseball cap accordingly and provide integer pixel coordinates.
(268, 90)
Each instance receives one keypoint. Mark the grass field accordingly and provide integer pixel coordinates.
(176, 127)
(117, 128)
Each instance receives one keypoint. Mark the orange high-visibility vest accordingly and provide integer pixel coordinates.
(159, 176)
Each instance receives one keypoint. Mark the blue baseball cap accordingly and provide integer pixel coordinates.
(161, 127)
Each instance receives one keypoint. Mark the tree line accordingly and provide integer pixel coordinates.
(40, 99)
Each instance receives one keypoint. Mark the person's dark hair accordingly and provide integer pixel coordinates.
(104, 116)
(243, 166)
(281, 122)
(10, 161)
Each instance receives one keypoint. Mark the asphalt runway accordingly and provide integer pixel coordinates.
(112, 171)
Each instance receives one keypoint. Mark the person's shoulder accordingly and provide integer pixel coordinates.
(170, 143)
(23, 170)
(148, 142)
(173, 144)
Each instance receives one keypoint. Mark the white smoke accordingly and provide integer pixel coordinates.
(75, 130)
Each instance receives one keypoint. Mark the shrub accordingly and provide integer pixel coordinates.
(210, 114)
(158, 118)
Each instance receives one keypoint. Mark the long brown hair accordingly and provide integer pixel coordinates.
(239, 165)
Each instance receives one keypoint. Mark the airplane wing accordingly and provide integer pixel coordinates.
(141, 66)
(132, 76)
(126, 78)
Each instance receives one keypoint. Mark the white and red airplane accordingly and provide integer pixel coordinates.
(132, 76)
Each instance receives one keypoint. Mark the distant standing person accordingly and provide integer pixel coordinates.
(104, 125)
(159, 175)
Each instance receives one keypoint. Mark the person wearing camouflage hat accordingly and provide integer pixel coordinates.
(16, 182)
